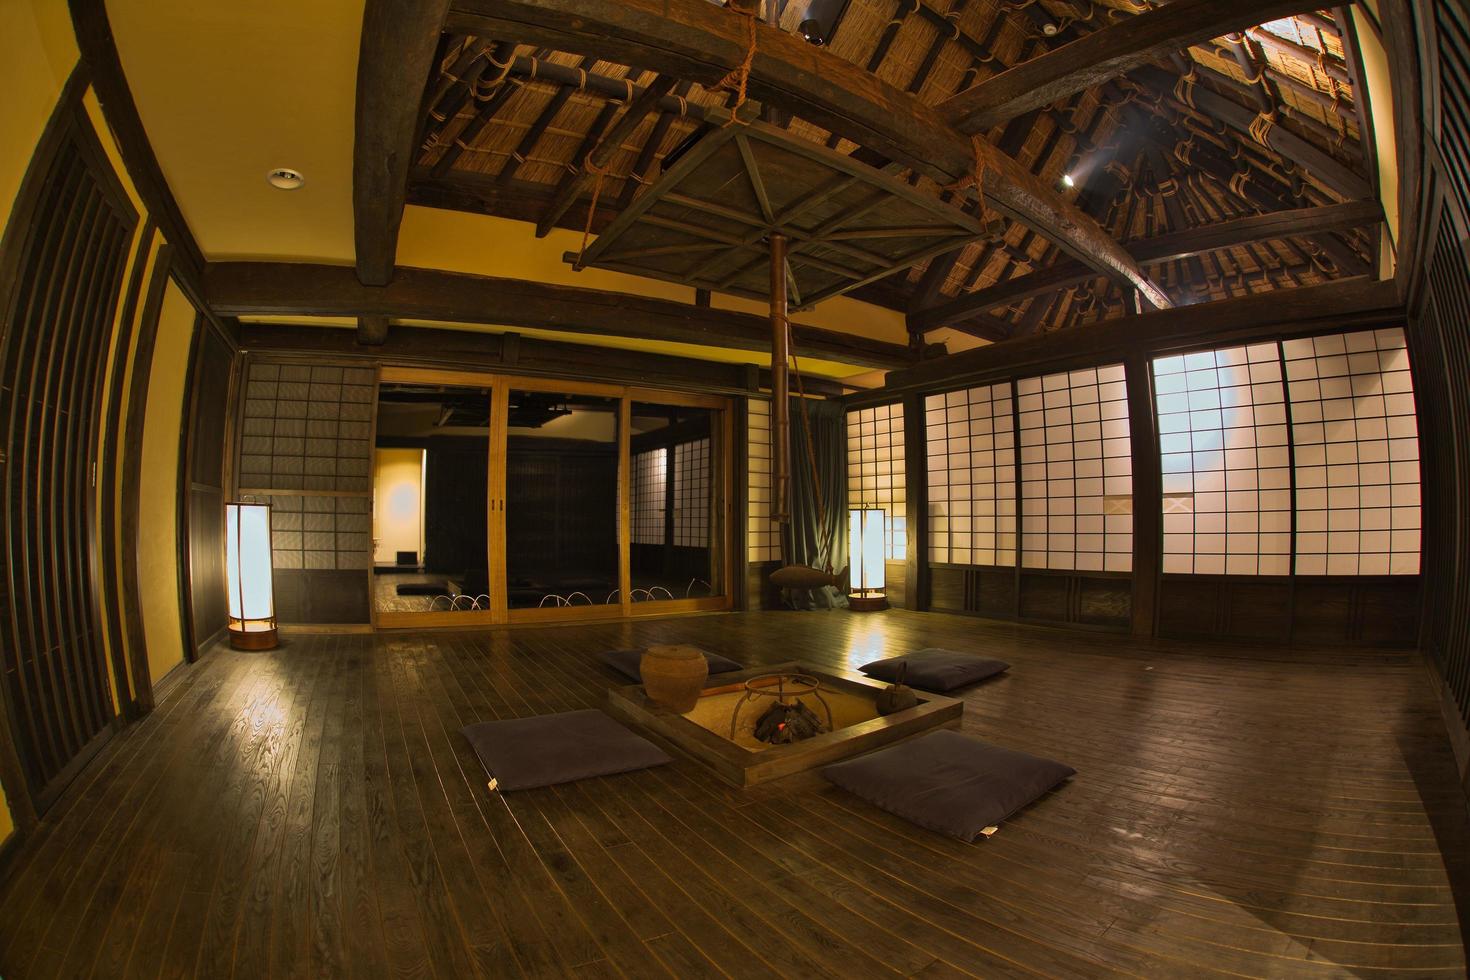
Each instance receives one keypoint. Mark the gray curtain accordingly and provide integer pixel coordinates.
(817, 535)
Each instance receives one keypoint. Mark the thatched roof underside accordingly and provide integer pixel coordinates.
(1145, 160)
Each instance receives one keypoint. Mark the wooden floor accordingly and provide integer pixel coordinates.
(315, 812)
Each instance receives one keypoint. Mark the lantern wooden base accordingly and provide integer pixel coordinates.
(254, 640)
(867, 603)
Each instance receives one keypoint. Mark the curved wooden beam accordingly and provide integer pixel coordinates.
(393, 61)
(698, 41)
(1162, 248)
(1093, 59)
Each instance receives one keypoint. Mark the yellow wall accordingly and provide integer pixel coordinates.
(158, 565)
(398, 503)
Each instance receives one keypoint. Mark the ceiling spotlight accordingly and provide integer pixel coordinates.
(819, 22)
(1068, 181)
(1049, 29)
(285, 178)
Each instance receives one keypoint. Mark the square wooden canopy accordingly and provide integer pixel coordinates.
(705, 221)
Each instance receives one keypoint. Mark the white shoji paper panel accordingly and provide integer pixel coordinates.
(1226, 465)
(1357, 454)
(763, 535)
(1076, 470)
(691, 494)
(971, 456)
(875, 470)
(649, 490)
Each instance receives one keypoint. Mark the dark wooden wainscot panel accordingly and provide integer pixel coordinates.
(1095, 599)
(1238, 607)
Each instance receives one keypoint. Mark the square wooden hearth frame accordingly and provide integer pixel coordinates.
(745, 767)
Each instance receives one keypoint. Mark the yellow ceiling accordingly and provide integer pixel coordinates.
(230, 91)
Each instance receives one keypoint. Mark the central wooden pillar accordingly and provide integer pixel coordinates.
(780, 388)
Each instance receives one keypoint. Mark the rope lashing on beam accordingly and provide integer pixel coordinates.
(976, 179)
(739, 76)
(1184, 88)
(598, 173)
(1260, 127)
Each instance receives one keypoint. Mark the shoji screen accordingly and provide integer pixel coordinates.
(875, 470)
(691, 494)
(1357, 454)
(1076, 471)
(650, 478)
(971, 445)
(1225, 461)
(763, 535)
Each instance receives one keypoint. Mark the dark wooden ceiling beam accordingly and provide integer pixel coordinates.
(438, 347)
(302, 289)
(1104, 54)
(1164, 248)
(1308, 157)
(393, 63)
(701, 42)
(1283, 312)
(372, 330)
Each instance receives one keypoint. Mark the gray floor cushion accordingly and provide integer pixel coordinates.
(523, 753)
(626, 662)
(948, 782)
(935, 669)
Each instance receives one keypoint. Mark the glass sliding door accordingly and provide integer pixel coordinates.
(562, 500)
(431, 526)
(503, 499)
(676, 512)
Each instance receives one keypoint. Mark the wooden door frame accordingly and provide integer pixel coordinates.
(500, 386)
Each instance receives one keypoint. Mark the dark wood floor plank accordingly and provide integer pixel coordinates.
(315, 811)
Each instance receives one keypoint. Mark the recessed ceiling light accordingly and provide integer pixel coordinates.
(285, 178)
(1067, 179)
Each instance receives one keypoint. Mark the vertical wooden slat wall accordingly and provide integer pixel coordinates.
(1439, 343)
(70, 258)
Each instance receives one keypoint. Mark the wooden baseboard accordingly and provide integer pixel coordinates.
(306, 629)
(165, 685)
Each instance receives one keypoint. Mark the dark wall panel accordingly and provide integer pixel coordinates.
(206, 489)
(61, 273)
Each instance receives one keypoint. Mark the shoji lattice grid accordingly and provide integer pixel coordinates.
(763, 535)
(1226, 465)
(691, 494)
(971, 447)
(306, 446)
(1076, 471)
(649, 491)
(1357, 454)
(875, 470)
(307, 427)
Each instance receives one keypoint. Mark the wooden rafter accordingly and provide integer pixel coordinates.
(698, 41)
(638, 109)
(1163, 248)
(1104, 54)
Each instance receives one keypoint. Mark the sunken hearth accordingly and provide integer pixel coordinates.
(762, 724)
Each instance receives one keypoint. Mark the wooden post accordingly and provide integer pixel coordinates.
(780, 389)
(1148, 533)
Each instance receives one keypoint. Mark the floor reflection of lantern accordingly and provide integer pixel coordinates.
(248, 575)
(867, 529)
